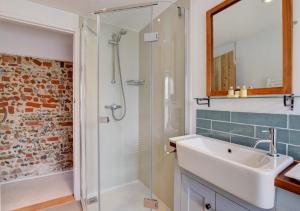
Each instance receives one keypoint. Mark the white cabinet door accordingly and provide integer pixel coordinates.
(224, 204)
(196, 197)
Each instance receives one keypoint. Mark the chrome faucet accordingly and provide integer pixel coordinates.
(272, 141)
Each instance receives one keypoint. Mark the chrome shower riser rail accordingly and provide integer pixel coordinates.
(133, 6)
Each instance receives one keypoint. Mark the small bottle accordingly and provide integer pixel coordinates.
(230, 92)
(244, 92)
(237, 91)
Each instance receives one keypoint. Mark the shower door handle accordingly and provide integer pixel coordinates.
(103, 119)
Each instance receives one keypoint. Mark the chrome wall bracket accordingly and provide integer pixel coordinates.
(200, 100)
(289, 101)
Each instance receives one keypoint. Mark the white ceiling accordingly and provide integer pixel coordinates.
(134, 20)
(244, 19)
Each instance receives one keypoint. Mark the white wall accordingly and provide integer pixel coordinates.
(119, 144)
(259, 57)
(198, 77)
(220, 50)
(27, 40)
(119, 139)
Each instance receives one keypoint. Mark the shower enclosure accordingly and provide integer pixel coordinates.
(132, 101)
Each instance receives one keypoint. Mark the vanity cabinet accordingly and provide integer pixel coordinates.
(195, 196)
(224, 204)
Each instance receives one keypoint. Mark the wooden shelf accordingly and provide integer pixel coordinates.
(287, 183)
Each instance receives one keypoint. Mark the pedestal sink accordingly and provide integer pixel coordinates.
(246, 173)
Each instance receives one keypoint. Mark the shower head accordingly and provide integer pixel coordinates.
(116, 37)
(120, 34)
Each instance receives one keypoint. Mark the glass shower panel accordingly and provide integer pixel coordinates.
(124, 182)
(89, 116)
(168, 104)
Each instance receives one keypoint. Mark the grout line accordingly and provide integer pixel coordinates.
(294, 145)
(219, 131)
(294, 130)
(289, 138)
(249, 112)
(239, 123)
(230, 121)
(244, 136)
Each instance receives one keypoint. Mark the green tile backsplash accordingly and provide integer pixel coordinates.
(215, 115)
(295, 122)
(272, 120)
(246, 128)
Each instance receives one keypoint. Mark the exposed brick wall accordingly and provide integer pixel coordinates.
(36, 138)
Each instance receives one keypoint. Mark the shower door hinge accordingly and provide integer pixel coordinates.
(151, 203)
(151, 37)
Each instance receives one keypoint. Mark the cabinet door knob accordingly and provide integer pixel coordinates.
(207, 206)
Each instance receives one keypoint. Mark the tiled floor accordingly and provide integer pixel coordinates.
(28, 192)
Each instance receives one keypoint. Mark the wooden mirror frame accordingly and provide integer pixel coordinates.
(287, 29)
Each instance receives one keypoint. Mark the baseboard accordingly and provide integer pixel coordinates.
(36, 177)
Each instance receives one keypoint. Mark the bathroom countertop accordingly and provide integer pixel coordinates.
(287, 183)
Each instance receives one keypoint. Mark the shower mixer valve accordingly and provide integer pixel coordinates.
(113, 107)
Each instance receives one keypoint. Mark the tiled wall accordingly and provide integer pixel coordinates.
(246, 128)
(36, 137)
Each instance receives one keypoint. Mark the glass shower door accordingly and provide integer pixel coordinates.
(168, 88)
(133, 97)
(124, 180)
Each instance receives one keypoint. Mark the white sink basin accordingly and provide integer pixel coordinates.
(239, 170)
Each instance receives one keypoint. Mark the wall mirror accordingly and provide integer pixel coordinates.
(249, 42)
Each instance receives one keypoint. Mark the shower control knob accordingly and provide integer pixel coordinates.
(208, 206)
